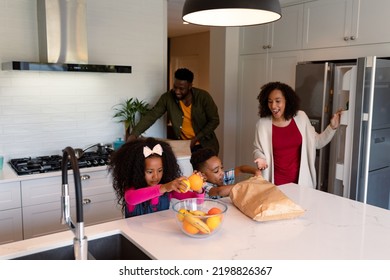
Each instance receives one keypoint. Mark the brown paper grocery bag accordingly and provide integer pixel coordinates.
(263, 201)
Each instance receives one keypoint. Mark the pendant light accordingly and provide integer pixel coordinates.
(231, 12)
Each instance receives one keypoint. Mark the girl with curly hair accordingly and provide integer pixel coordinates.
(146, 176)
(285, 141)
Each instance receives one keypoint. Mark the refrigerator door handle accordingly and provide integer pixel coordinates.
(367, 117)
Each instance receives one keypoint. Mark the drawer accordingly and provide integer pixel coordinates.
(46, 218)
(47, 190)
(42, 219)
(11, 225)
(100, 209)
(10, 195)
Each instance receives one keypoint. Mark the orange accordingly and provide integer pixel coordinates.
(214, 210)
(196, 182)
(189, 228)
(213, 222)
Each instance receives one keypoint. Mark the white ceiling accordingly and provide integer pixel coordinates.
(175, 23)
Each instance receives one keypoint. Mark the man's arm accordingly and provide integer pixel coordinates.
(150, 117)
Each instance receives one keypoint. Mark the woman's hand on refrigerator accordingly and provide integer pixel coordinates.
(335, 120)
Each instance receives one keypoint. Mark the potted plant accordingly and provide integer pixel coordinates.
(129, 112)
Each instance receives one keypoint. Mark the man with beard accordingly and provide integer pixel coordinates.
(191, 111)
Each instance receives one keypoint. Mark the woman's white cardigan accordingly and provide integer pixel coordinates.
(311, 141)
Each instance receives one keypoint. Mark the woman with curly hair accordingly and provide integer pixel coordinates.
(285, 141)
(146, 176)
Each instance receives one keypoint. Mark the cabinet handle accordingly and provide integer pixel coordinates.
(353, 38)
(86, 201)
(346, 38)
(85, 177)
(269, 46)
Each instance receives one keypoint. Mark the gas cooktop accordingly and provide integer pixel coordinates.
(43, 164)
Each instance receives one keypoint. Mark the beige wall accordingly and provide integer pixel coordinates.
(213, 57)
(224, 84)
(192, 52)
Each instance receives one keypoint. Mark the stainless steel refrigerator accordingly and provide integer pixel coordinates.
(356, 164)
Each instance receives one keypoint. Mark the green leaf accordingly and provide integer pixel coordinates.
(127, 111)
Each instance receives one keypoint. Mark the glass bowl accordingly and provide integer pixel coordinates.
(199, 217)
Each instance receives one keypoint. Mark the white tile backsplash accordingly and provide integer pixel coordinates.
(43, 112)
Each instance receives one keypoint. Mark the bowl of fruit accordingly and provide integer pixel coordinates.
(199, 217)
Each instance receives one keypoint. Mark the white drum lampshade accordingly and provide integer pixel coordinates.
(231, 12)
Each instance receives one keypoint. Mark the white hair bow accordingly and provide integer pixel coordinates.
(156, 150)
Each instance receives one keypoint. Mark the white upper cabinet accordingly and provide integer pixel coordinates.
(335, 23)
(327, 23)
(282, 35)
(373, 22)
(255, 39)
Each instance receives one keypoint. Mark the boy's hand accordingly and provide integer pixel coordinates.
(261, 163)
(203, 178)
(201, 175)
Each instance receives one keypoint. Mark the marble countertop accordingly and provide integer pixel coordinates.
(331, 228)
(7, 174)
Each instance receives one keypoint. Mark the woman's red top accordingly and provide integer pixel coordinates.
(286, 143)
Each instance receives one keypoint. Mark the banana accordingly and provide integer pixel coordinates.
(186, 184)
(196, 222)
(181, 213)
(197, 212)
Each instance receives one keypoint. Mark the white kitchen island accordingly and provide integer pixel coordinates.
(332, 228)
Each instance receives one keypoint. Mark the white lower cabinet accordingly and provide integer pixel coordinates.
(41, 200)
(10, 213)
(42, 219)
(11, 225)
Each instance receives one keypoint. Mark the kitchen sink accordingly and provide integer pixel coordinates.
(112, 247)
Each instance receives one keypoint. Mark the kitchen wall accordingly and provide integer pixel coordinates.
(215, 70)
(43, 112)
(210, 55)
(191, 51)
(224, 83)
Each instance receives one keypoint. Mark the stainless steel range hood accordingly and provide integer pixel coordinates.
(62, 35)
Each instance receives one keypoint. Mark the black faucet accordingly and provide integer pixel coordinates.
(80, 242)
